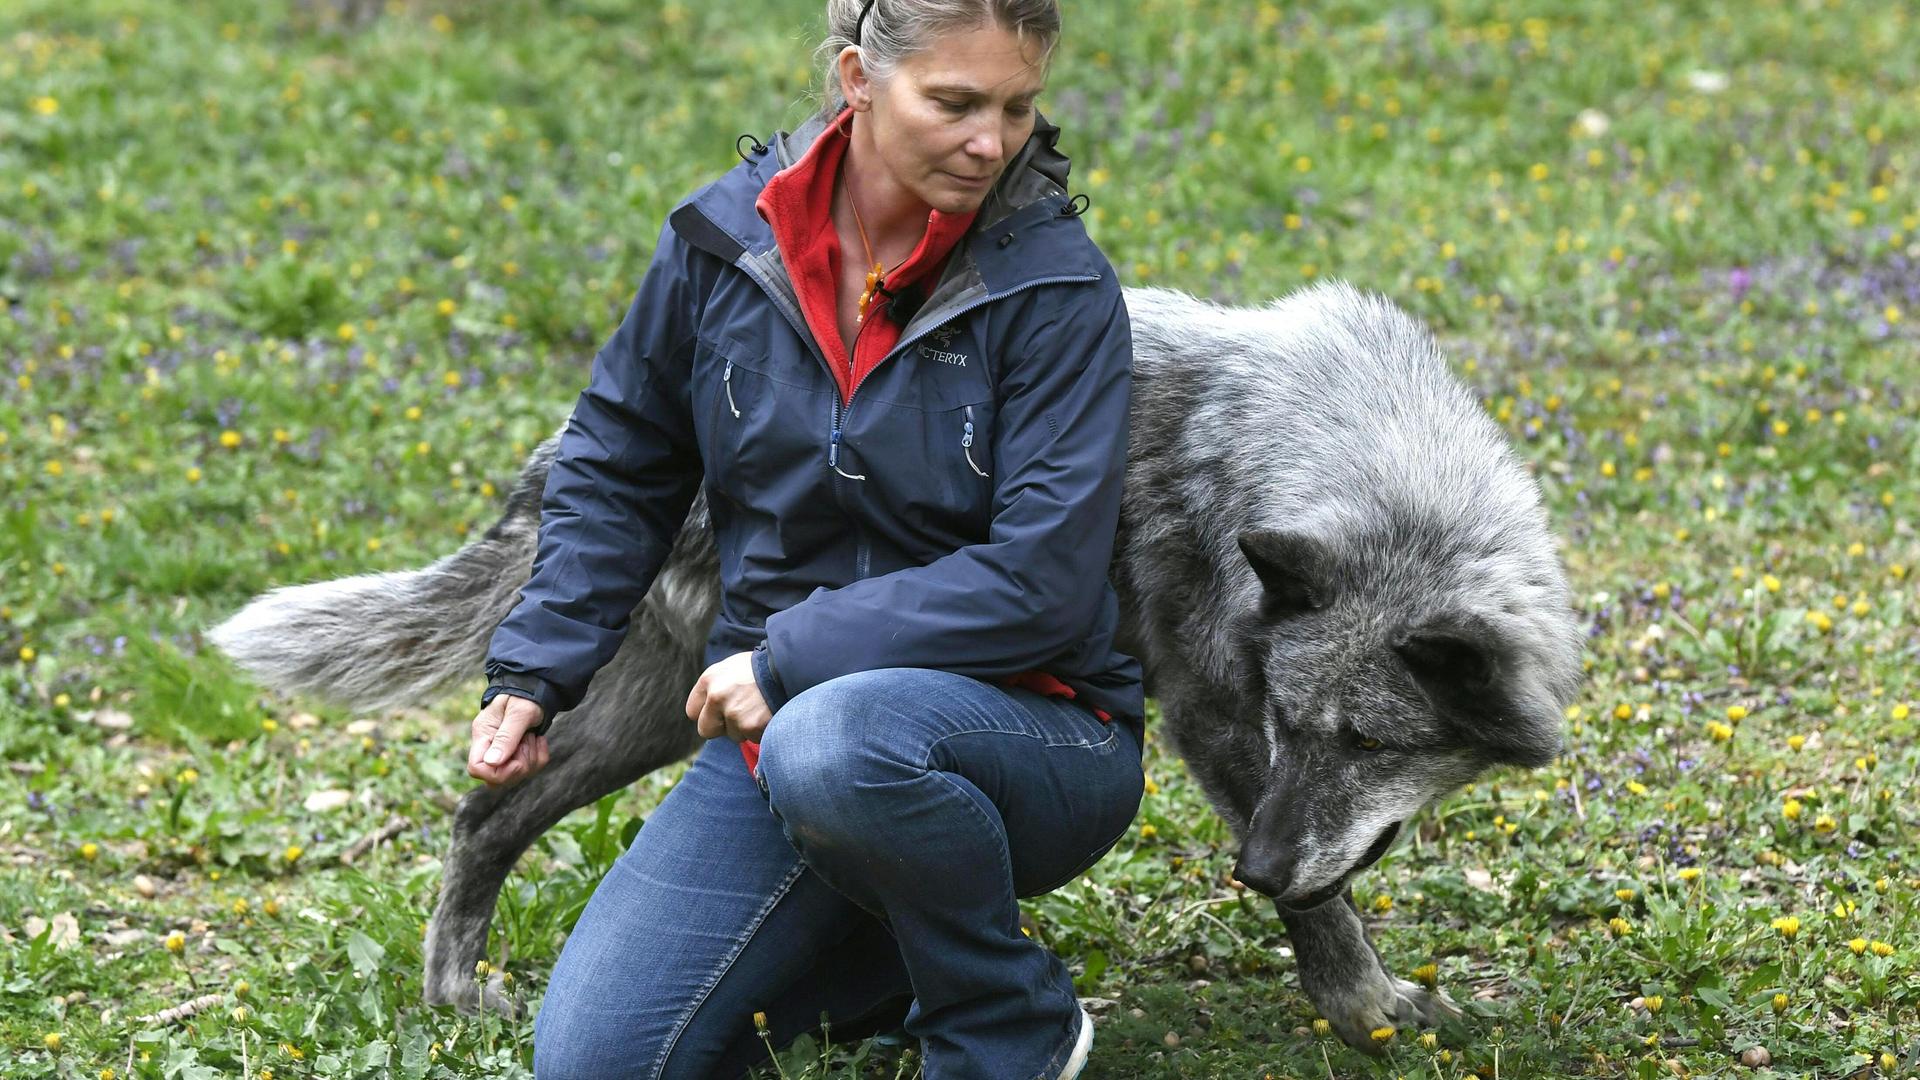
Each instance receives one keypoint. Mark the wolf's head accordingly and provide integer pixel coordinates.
(1381, 685)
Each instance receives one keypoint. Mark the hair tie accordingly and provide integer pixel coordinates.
(861, 22)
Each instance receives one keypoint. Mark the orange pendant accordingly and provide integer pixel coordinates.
(866, 298)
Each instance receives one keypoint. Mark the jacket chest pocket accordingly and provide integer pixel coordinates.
(932, 468)
(756, 425)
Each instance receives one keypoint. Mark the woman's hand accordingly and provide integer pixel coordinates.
(501, 752)
(726, 701)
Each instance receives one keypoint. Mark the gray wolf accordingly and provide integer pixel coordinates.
(1338, 577)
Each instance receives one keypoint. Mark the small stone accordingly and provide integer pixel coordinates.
(303, 720)
(144, 885)
(1137, 1013)
(328, 799)
(1756, 1057)
(1196, 963)
(363, 727)
(112, 719)
(1172, 1039)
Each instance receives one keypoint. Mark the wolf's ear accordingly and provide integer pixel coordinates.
(1292, 567)
(1480, 683)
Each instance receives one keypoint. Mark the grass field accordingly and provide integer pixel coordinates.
(285, 302)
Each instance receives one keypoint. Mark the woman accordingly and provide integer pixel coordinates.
(887, 347)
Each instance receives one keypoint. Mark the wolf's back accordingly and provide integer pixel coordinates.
(384, 640)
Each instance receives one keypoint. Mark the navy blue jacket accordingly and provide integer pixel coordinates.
(958, 512)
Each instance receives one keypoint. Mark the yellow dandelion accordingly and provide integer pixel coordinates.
(27, 653)
(1792, 809)
(1795, 742)
(1881, 949)
(1619, 927)
(1825, 823)
(52, 1040)
(1427, 975)
(1721, 732)
(1772, 583)
(1690, 874)
(1857, 946)
(1148, 832)
(1901, 711)
(760, 1022)
(1654, 1003)
(446, 307)
(292, 854)
(176, 942)
(1381, 1035)
(89, 851)
(1736, 713)
(1788, 926)
(1625, 896)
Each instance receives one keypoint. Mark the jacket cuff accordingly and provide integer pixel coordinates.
(768, 678)
(533, 688)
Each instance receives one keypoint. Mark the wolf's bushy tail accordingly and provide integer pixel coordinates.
(384, 640)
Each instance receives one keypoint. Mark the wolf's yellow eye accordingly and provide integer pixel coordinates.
(1369, 744)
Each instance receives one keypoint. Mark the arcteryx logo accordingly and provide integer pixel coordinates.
(935, 347)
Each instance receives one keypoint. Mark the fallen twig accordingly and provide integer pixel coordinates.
(395, 826)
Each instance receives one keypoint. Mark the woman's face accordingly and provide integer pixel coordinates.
(952, 115)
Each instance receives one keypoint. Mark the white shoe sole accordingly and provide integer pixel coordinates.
(1081, 1046)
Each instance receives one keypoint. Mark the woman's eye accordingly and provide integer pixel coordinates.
(954, 106)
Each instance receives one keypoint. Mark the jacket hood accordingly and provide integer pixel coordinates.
(1039, 168)
(1037, 173)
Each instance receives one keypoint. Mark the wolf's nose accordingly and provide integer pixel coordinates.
(1266, 875)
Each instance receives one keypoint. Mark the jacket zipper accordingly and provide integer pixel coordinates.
(726, 377)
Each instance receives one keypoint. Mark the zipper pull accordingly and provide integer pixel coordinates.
(833, 459)
(966, 442)
(726, 377)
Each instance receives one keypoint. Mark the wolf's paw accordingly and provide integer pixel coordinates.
(469, 995)
(1381, 1001)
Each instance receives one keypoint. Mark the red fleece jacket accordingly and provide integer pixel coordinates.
(798, 204)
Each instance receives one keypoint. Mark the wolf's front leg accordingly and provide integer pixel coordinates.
(631, 722)
(1343, 975)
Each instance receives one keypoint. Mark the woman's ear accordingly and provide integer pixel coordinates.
(854, 85)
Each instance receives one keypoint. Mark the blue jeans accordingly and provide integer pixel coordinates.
(870, 874)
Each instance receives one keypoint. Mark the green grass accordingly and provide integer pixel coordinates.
(287, 302)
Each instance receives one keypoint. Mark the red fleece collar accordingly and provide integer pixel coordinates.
(798, 204)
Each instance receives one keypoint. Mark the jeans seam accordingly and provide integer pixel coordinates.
(700, 996)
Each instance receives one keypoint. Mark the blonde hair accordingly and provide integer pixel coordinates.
(896, 29)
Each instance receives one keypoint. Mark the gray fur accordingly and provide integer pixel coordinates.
(1324, 539)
